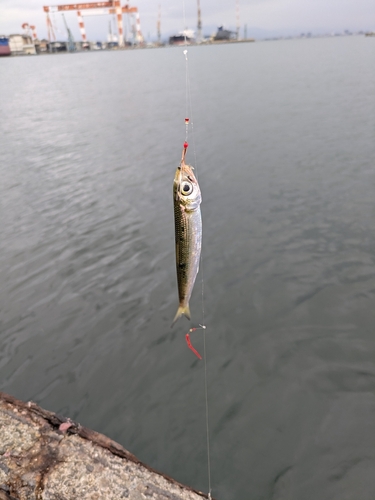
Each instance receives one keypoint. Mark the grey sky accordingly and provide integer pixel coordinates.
(273, 15)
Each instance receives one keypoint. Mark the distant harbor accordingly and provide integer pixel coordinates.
(25, 44)
(125, 32)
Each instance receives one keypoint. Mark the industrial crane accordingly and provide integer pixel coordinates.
(27, 27)
(100, 8)
(71, 44)
(199, 25)
(158, 25)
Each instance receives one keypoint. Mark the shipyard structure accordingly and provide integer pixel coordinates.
(28, 43)
(120, 34)
(98, 9)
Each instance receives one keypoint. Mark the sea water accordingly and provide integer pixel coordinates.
(283, 145)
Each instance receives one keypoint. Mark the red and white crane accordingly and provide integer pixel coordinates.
(101, 8)
(33, 30)
(27, 27)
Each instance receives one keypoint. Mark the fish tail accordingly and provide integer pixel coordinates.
(182, 310)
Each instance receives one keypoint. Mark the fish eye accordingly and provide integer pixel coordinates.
(186, 188)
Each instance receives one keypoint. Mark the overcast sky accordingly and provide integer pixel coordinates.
(273, 15)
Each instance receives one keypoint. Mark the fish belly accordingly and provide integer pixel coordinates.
(188, 234)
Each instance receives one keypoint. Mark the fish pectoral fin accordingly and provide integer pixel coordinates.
(182, 310)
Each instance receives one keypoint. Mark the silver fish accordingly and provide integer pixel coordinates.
(188, 234)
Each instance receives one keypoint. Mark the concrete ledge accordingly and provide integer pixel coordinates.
(44, 456)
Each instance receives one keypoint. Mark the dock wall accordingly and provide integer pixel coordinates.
(44, 456)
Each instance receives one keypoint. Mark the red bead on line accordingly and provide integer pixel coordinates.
(186, 145)
(187, 120)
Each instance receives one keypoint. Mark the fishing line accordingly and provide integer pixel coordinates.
(189, 122)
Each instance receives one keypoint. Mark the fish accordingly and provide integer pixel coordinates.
(187, 199)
